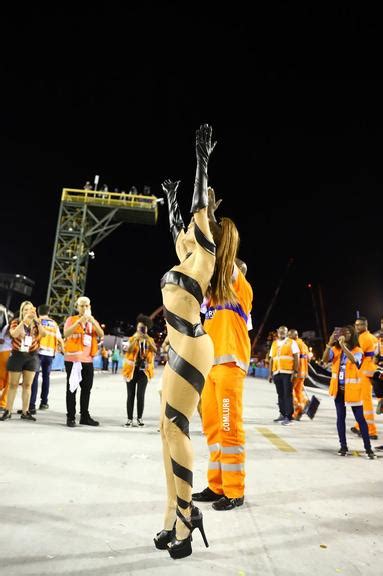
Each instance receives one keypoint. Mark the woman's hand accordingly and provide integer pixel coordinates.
(31, 315)
(203, 144)
(212, 204)
(170, 188)
(333, 339)
(342, 341)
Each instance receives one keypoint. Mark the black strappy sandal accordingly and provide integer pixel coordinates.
(183, 548)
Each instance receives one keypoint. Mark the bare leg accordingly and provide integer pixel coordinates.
(27, 384)
(14, 379)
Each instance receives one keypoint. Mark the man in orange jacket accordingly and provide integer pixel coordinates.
(284, 364)
(368, 343)
(81, 345)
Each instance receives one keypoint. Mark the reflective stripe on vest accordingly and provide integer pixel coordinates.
(231, 358)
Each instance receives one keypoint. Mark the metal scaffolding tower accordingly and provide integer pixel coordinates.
(85, 218)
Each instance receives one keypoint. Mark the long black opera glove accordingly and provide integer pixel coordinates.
(175, 218)
(204, 148)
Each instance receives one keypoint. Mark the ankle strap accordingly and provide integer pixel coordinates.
(184, 520)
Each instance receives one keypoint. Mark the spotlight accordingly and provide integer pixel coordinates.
(92, 255)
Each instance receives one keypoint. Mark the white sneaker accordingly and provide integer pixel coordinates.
(129, 424)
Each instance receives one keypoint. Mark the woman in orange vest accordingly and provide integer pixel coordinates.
(190, 354)
(138, 367)
(345, 355)
(81, 345)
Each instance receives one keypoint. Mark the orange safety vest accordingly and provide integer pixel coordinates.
(368, 343)
(227, 326)
(48, 343)
(303, 358)
(130, 361)
(74, 343)
(283, 357)
(353, 385)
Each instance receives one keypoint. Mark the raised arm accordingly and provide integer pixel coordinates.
(175, 218)
(204, 148)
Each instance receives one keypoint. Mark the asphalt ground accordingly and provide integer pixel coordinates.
(88, 501)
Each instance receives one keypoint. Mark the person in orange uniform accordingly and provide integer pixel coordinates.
(284, 364)
(346, 357)
(49, 344)
(81, 345)
(299, 397)
(226, 321)
(378, 360)
(368, 343)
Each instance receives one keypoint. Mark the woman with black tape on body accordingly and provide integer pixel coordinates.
(190, 354)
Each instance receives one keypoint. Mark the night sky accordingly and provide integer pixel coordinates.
(292, 94)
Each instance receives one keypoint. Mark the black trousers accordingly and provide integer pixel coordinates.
(284, 388)
(85, 385)
(138, 381)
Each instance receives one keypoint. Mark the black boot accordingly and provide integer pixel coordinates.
(183, 548)
(88, 421)
(206, 495)
(6, 415)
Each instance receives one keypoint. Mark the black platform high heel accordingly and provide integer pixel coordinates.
(163, 538)
(183, 548)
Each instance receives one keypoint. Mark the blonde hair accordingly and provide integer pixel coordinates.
(22, 306)
(226, 238)
(82, 299)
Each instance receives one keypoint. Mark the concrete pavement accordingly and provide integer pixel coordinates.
(88, 501)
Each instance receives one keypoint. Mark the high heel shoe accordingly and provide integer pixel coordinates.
(163, 538)
(183, 548)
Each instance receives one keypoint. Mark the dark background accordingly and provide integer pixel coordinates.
(291, 91)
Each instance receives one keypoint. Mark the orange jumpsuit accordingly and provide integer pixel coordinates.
(299, 397)
(368, 343)
(222, 394)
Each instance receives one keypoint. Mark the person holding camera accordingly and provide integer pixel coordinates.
(138, 367)
(81, 345)
(345, 355)
(26, 332)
